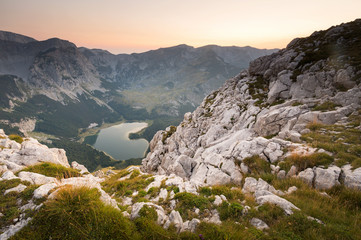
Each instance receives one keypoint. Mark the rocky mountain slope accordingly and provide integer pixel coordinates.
(63, 77)
(273, 110)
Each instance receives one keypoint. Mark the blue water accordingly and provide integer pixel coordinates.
(115, 141)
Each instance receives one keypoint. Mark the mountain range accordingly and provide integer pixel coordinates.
(47, 81)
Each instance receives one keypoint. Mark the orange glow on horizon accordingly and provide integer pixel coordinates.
(139, 25)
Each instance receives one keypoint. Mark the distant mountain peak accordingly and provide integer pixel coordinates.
(14, 37)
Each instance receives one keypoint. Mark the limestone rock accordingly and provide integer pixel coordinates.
(162, 217)
(259, 224)
(191, 225)
(218, 200)
(13, 229)
(351, 179)
(17, 189)
(8, 175)
(307, 176)
(44, 190)
(79, 167)
(36, 178)
(265, 197)
(176, 219)
(327, 178)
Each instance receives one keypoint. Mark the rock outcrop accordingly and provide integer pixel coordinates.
(264, 111)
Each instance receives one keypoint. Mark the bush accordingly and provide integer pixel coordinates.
(230, 211)
(53, 170)
(189, 200)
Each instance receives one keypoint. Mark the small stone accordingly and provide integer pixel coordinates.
(259, 224)
(281, 174)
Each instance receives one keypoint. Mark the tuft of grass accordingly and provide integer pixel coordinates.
(53, 170)
(77, 213)
(16, 138)
(257, 165)
(306, 161)
(169, 133)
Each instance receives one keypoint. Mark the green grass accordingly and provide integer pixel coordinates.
(326, 106)
(306, 161)
(53, 170)
(77, 213)
(16, 138)
(169, 133)
(11, 202)
(231, 211)
(226, 190)
(136, 182)
(257, 165)
(188, 201)
(343, 141)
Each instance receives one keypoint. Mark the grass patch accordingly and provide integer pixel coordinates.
(326, 106)
(343, 141)
(306, 161)
(188, 201)
(257, 165)
(226, 190)
(16, 138)
(77, 213)
(53, 170)
(232, 211)
(10, 203)
(136, 182)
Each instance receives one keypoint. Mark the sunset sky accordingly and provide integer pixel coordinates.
(126, 26)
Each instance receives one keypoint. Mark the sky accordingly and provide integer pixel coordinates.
(127, 26)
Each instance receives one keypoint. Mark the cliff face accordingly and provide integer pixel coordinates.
(267, 111)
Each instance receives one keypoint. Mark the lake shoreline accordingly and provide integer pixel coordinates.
(115, 141)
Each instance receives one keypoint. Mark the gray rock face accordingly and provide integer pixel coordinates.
(79, 167)
(17, 189)
(36, 178)
(351, 179)
(31, 152)
(259, 224)
(13, 229)
(307, 176)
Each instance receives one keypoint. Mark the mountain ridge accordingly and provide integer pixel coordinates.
(175, 78)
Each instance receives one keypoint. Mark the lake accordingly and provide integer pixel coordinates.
(115, 141)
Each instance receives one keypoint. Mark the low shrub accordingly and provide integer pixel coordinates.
(16, 138)
(231, 211)
(189, 200)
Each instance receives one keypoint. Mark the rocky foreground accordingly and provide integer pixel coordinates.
(273, 154)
